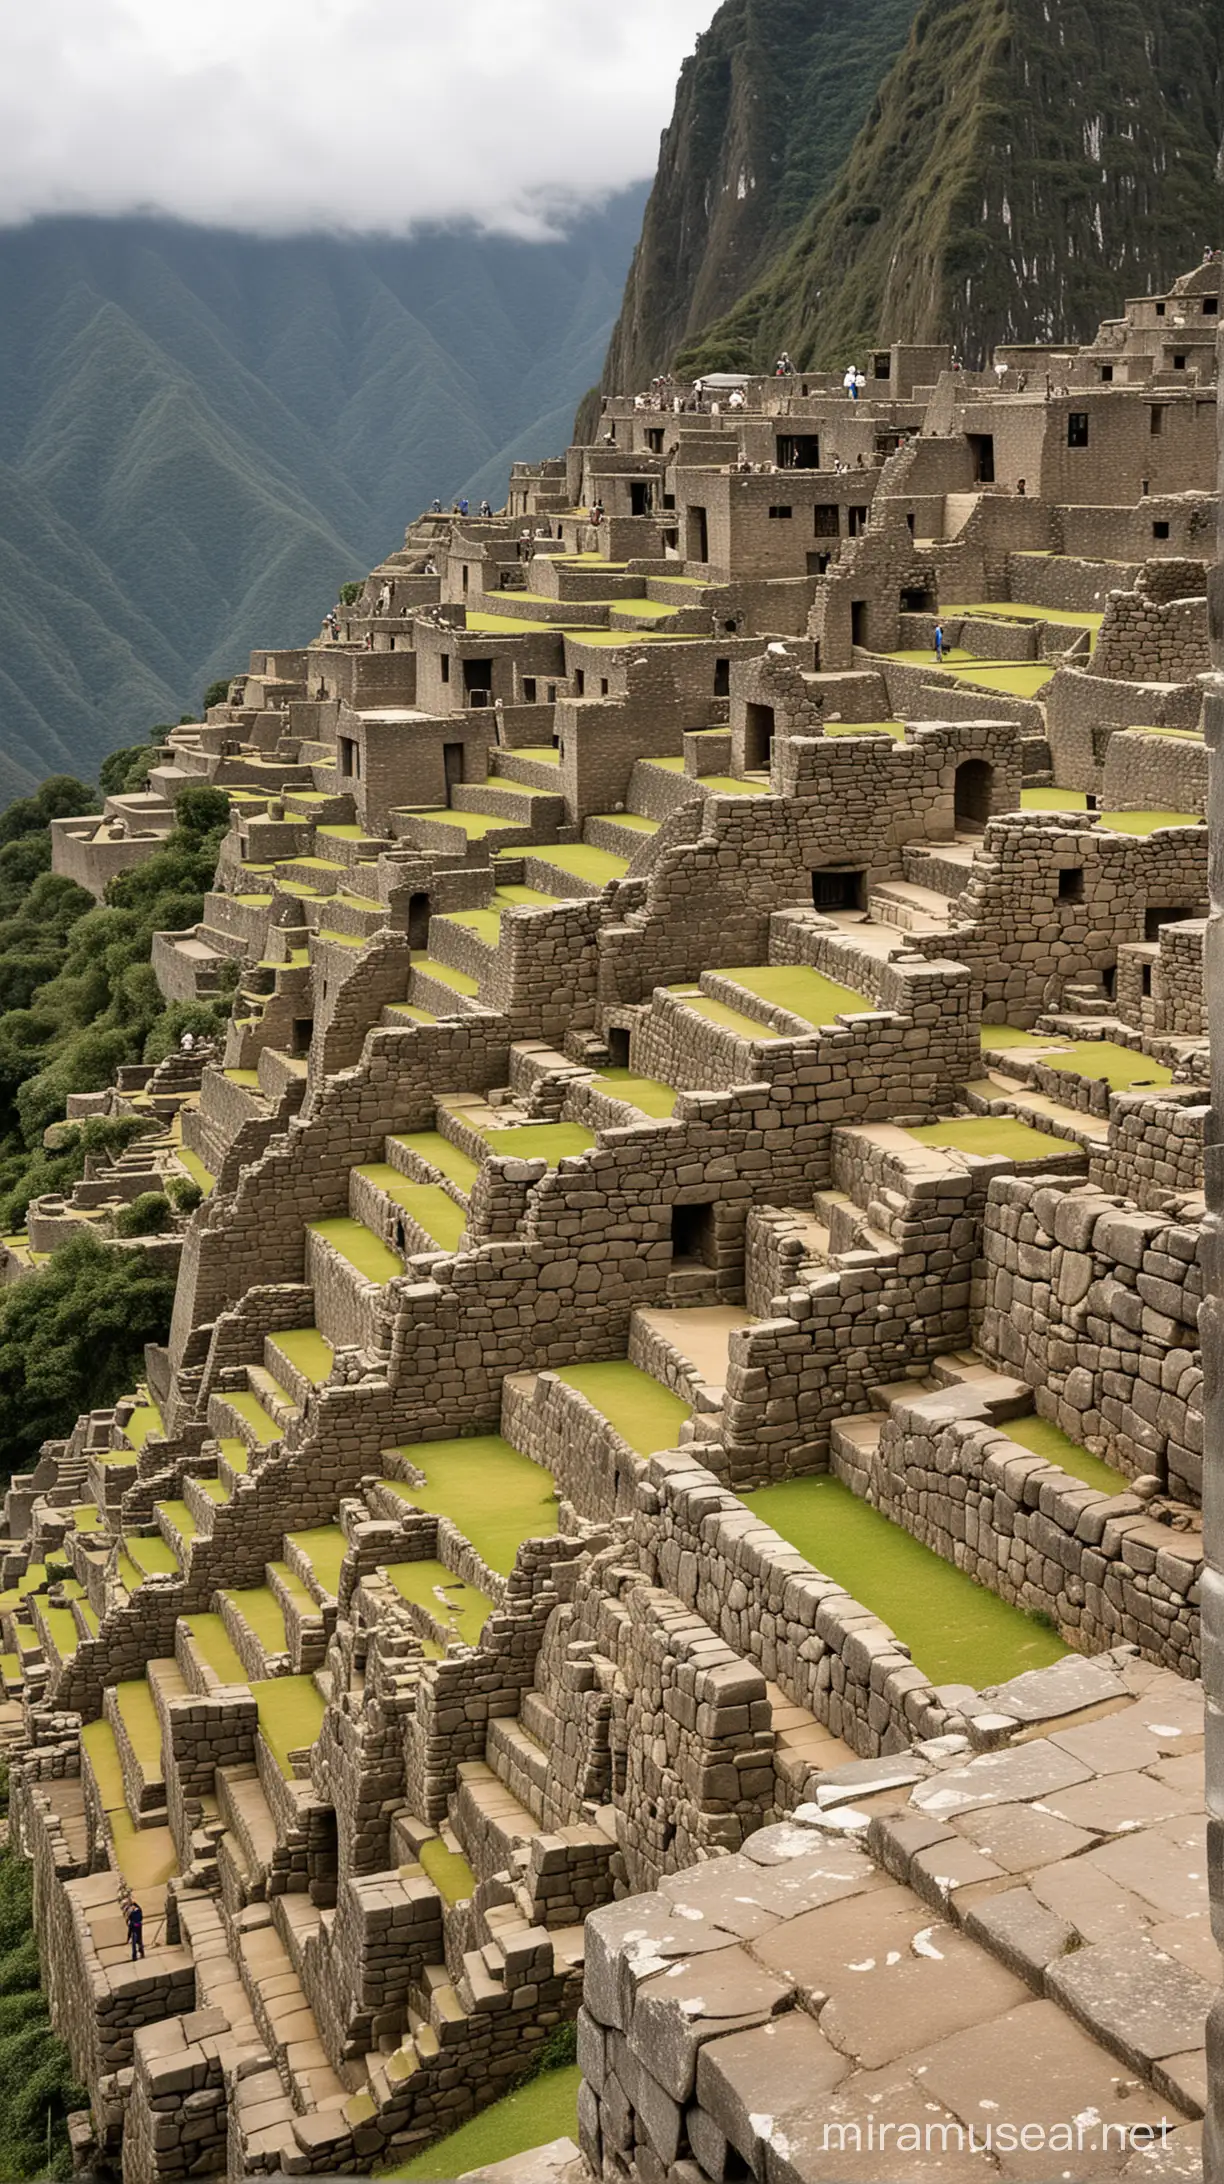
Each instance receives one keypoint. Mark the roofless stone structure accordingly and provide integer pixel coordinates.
(673, 1497)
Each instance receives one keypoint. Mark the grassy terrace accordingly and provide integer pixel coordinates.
(544, 2109)
(893, 728)
(249, 1407)
(450, 1160)
(310, 1351)
(454, 1606)
(800, 990)
(449, 1870)
(717, 1012)
(583, 860)
(1148, 822)
(644, 1413)
(444, 975)
(495, 1496)
(1044, 1438)
(214, 1644)
(956, 1630)
(432, 1208)
(290, 1716)
(1010, 610)
(1117, 1066)
(359, 1245)
(139, 1717)
(262, 1612)
(992, 1136)
(647, 1094)
(151, 1557)
(324, 1548)
(145, 1419)
(550, 1141)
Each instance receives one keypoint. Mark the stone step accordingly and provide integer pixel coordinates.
(237, 1414)
(440, 988)
(536, 769)
(519, 1762)
(519, 802)
(913, 909)
(299, 1360)
(275, 1399)
(489, 1821)
(254, 1622)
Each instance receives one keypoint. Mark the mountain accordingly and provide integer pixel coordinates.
(766, 112)
(1013, 170)
(202, 434)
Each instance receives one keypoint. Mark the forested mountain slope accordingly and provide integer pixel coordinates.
(202, 434)
(1018, 167)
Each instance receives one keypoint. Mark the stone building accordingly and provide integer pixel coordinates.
(673, 1496)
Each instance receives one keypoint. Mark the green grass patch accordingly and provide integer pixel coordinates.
(449, 1160)
(475, 824)
(991, 1136)
(324, 1548)
(98, 1741)
(181, 1518)
(893, 728)
(485, 924)
(644, 1413)
(1053, 800)
(290, 1716)
(359, 1245)
(214, 1645)
(631, 819)
(456, 1607)
(1016, 679)
(1043, 1438)
(514, 896)
(647, 1094)
(145, 1419)
(444, 974)
(195, 1168)
(1117, 1066)
(146, 1857)
(800, 990)
(544, 2109)
(956, 1630)
(725, 784)
(583, 860)
(550, 1141)
(432, 1208)
(139, 1717)
(414, 1014)
(1010, 610)
(154, 1556)
(717, 1012)
(449, 1871)
(309, 1351)
(249, 1407)
(261, 1611)
(495, 1495)
(1147, 822)
(61, 1628)
(666, 765)
(1002, 1036)
(540, 754)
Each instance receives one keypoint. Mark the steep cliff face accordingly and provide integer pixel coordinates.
(766, 113)
(1025, 165)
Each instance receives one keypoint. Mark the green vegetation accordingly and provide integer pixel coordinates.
(59, 1166)
(351, 592)
(647, 1094)
(290, 1716)
(450, 1160)
(310, 1351)
(77, 988)
(495, 1496)
(544, 2109)
(1053, 800)
(550, 1141)
(457, 1608)
(1044, 1438)
(801, 991)
(359, 1245)
(1147, 822)
(989, 1136)
(644, 1413)
(37, 2092)
(172, 497)
(151, 1214)
(448, 1869)
(956, 1630)
(432, 1208)
(971, 162)
(1118, 1066)
(72, 1338)
(717, 1012)
(584, 862)
(214, 1644)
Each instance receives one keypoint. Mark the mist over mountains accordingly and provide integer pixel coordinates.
(202, 434)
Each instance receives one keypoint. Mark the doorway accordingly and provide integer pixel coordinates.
(452, 766)
(418, 921)
(972, 794)
(758, 739)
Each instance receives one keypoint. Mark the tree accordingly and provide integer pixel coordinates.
(351, 593)
(217, 692)
(37, 2092)
(72, 1339)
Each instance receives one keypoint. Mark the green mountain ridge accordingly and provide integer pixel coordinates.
(1017, 168)
(203, 434)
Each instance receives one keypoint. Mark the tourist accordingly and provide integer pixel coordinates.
(135, 1929)
(486, 508)
(435, 508)
(860, 381)
(850, 382)
(736, 398)
(939, 642)
(187, 1042)
(463, 508)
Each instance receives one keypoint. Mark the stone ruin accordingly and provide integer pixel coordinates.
(673, 1497)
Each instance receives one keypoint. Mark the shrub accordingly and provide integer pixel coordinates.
(184, 1193)
(72, 1338)
(217, 692)
(149, 1215)
(351, 593)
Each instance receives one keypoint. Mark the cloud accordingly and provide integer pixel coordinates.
(283, 115)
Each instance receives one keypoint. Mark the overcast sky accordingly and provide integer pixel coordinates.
(359, 114)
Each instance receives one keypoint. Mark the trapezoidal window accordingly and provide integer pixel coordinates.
(1169, 914)
(722, 678)
(1071, 883)
(827, 520)
(972, 793)
(418, 921)
(781, 515)
(758, 738)
(697, 533)
(692, 1230)
(618, 1046)
(859, 610)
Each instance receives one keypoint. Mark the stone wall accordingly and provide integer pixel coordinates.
(1097, 1305)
